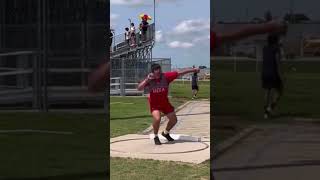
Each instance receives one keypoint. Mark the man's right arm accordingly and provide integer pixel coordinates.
(143, 84)
(251, 30)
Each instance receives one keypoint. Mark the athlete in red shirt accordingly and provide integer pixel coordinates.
(158, 85)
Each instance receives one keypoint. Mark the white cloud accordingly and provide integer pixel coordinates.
(188, 33)
(192, 26)
(179, 44)
(159, 36)
(131, 2)
(205, 38)
(136, 3)
(113, 18)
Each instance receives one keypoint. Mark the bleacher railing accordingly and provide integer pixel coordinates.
(126, 73)
(20, 78)
(119, 41)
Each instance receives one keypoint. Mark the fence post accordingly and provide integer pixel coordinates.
(21, 64)
(35, 82)
(234, 63)
(259, 55)
(122, 78)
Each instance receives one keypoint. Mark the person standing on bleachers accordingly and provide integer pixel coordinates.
(132, 35)
(127, 36)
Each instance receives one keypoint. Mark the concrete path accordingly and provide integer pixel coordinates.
(278, 151)
(193, 120)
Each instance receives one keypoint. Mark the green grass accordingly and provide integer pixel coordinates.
(239, 96)
(135, 169)
(180, 90)
(78, 156)
(128, 118)
(132, 115)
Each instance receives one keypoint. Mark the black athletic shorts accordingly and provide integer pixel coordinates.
(195, 87)
(272, 83)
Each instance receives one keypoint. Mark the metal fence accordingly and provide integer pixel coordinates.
(119, 41)
(28, 81)
(21, 76)
(245, 64)
(71, 36)
(126, 73)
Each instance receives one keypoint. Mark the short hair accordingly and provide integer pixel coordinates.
(127, 29)
(132, 24)
(155, 67)
(273, 39)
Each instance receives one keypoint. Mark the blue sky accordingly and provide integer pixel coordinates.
(182, 27)
(236, 10)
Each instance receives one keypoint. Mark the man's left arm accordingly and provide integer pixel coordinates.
(186, 71)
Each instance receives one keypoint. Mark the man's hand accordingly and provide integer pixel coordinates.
(277, 26)
(142, 84)
(196, 70)
(150, 77)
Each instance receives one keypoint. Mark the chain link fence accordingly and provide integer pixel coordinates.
(119, 41)
(70, 37)
(126, 74)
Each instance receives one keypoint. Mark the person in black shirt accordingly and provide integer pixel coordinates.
(271, 75)
(110, 38)
(194, 85)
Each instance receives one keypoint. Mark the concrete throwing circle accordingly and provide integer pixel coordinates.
(147, 146)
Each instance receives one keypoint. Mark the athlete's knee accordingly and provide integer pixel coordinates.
(172, 118)
(157, 119)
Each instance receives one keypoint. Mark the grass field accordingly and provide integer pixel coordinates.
(77, 156)
(131, 115)
(239, 98)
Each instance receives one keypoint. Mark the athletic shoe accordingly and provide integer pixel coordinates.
(157, 141)
(267, 112)
(167, 136)
(273, 106)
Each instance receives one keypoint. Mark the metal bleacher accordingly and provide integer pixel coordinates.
(121, 48)
(128, 63)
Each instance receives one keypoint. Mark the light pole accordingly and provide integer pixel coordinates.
(154, 13)
(292, 17)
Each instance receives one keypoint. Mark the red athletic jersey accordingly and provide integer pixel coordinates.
(159, 88)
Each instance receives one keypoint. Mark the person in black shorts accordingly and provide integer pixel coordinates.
(271, 74)
(194, 85)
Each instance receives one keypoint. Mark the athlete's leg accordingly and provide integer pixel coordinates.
(277, 93)
(267, 95)
(156, 121)
(156, 124)
(196, 92)
(267, 105)
(172, 121)
(193, 93)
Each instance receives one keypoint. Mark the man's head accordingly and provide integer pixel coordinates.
(273, 39)
(156, 70)
(127, 29)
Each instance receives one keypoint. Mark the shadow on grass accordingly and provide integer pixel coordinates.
(101, 174)
(149, 116)
(269, 166)
(290, 115)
